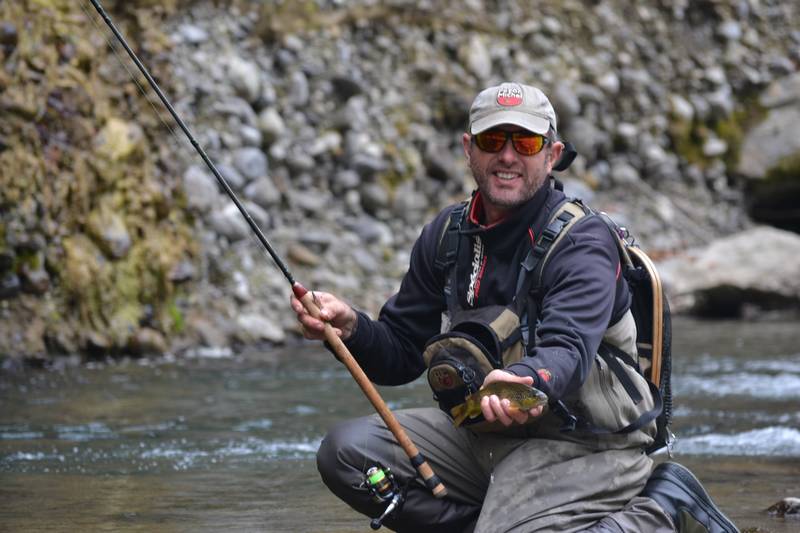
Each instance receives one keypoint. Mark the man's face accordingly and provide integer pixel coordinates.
(507, 179)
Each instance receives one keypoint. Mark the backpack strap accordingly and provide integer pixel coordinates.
(447, 254)
(564, 216)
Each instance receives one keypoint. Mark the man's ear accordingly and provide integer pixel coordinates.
(555, 153)
(466, 141)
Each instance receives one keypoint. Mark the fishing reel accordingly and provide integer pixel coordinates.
(383, 487)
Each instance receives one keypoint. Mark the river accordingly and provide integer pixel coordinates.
(228, 443)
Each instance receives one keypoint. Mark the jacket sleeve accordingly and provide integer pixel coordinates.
(580, 288)
(390, 349)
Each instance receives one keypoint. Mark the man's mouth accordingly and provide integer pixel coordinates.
(506, 176)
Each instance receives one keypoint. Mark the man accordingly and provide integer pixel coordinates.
(532, 476)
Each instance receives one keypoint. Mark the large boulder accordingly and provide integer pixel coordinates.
(770, 157)
(757, 268)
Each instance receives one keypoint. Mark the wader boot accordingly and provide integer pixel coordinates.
(682, 496)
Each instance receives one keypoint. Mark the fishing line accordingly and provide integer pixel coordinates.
(221, 180)
(307, 298)
(139, 86)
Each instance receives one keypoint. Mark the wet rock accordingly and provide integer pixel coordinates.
(148, 341)
(786, 508)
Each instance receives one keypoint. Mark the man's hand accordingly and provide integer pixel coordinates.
(493, 408)
(332, 310)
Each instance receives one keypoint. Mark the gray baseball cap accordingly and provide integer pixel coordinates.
(512, 103)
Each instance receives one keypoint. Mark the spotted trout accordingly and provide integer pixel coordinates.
(522, 398)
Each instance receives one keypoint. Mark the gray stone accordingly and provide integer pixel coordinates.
(229, 223)
(192, 34)
(760, 151)
(347, 179)
(251, 162)
(476, 58)
(271, 124)
(252, 327)
(728, 273)
(374, 197)
(714, 147)
(200, 187)
(781, 92)
(244, 77)
(263, 192)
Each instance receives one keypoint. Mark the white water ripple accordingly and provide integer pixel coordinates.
(768, 441)
(783, 386)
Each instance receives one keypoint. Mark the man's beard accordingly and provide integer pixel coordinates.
(483, 177)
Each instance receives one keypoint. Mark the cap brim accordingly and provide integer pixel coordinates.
(523, 120)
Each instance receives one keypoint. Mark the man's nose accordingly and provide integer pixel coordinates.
(508, 154)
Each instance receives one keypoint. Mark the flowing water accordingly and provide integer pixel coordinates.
(228, 444)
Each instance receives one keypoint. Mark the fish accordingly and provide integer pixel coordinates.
(522, 397)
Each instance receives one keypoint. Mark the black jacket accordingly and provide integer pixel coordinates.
(582, 294)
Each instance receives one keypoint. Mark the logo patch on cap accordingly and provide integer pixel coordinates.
(509, 95)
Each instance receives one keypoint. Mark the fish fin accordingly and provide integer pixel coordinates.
(459, 413)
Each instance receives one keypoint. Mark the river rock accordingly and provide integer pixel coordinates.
(10, 285)
(271, 125)
(147, 341)
(118, 139)
(787, 507)
(200, 187)
(229, 223)
(251, 162)
(254, 328)
(263, 192)
(757, 267)
(244, 77)
(108, 229)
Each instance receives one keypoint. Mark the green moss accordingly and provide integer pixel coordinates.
(688, 137)
(787, 169)
(176, 317)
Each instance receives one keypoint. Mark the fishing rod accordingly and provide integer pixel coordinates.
(309, 301)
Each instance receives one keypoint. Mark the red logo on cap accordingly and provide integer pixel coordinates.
(509, 95)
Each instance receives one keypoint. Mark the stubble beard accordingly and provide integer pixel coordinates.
(482, 178)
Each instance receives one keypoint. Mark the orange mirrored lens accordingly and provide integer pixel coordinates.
(524, 143)
(491, 141)
(527, 144)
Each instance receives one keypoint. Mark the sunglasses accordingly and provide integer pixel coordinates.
(524, 142)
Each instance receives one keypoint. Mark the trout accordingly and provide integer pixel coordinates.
(522, 398)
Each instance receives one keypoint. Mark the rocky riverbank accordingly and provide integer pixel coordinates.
(338, 125)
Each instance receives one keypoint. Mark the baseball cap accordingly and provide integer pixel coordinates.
(512, 103)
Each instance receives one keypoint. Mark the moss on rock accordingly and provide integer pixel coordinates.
(82, 170)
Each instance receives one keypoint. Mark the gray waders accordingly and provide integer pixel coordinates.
(528, 478)
(495, 482)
